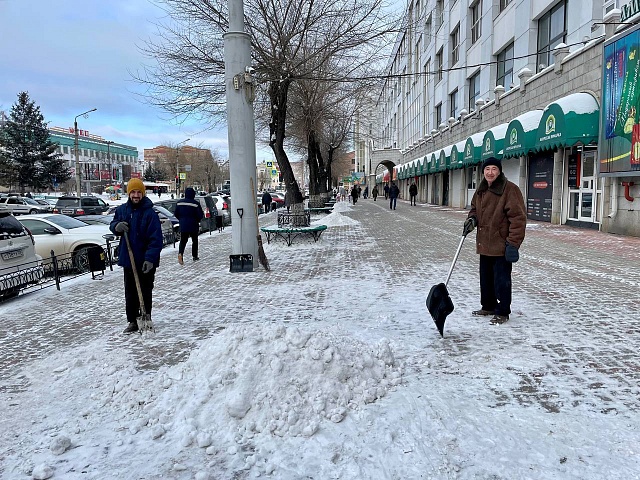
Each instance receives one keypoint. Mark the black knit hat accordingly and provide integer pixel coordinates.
(492, 161)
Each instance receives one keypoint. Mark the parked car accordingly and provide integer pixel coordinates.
(76, 206)
(21, 205)
(278, 198)
(167, 227)
(47, 204)
(165, 215)
(67, 236)
(20, 265)
(223, 205)
(210, 210)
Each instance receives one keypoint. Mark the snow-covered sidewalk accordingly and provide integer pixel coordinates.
(330, 367)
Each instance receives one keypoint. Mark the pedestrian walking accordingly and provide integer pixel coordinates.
(386, 191)
(498, 210)
(138, 219)
(413, 193)
(374, 192)
(354, 194)
(394, 191)
(365, 194)
(266, 201)
(189, 212)
(343, 193)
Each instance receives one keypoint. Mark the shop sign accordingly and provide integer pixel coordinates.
(629, 10)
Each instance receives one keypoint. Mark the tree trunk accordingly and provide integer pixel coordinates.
(278, 92)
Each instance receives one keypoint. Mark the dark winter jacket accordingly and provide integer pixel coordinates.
(413, 189)
(266, 198)
(394, 191)
(501, 216)
(145, 233)
(189, 212)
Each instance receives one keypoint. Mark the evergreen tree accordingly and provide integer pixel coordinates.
(31, 158)
(154, 173)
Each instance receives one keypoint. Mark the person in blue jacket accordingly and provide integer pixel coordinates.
(138, 218)
(189, 212)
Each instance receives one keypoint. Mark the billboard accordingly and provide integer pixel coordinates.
(619, 142)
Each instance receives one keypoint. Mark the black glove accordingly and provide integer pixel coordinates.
(511, 253)
(147, 266)
(122, 227)
(469, 224)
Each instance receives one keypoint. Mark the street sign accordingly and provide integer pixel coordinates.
(183, 176)
(187, 168)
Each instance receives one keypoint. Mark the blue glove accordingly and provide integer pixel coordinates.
(511, 253)
(121, 227)
(147, 266)
(469, 224)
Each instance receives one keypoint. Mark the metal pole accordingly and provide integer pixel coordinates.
(178, 166)
(239, 84)
(75, 130)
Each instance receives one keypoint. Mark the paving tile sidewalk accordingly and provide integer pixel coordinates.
(573, 331)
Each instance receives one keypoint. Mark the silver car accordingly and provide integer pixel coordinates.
(22, 206)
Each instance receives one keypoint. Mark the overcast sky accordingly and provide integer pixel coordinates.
(72, 56)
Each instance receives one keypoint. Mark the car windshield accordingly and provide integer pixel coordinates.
(66, 222)
(31, 201)
(163, 211)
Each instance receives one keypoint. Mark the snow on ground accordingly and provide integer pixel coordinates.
(330, 398)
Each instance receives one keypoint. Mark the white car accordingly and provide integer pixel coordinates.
(68, 237)
(19, 263)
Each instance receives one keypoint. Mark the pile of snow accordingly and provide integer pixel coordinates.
(253, 381)
(336, 219)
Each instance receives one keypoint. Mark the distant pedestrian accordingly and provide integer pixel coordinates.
(394, 191)
(142, 223)
(354, 194)
(498, 210)
(386, 191)
(413, 193)
(343, 193)
(189, 212)
(266, 201)
(366, 192)
(28, 195)
(159, 193)
(374, 192)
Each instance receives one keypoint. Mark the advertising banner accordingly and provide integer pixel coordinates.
(619, 141)
(540, 189)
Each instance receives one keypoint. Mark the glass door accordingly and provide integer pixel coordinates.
(587, 210)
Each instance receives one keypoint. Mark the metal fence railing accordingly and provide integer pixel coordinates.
(57, 269)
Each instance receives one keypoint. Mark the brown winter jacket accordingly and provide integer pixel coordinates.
(501, 216)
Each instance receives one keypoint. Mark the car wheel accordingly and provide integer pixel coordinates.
(32, 212)
(81, 259)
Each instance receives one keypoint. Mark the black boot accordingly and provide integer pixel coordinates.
(131, 327)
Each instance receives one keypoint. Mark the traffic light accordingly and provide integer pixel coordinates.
(177, 181)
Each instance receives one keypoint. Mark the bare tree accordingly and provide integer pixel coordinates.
(291, 41)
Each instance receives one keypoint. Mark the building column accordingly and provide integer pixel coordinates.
(558, 187)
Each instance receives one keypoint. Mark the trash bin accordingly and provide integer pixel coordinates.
(219, 222)
(96, 259)
(241, 263)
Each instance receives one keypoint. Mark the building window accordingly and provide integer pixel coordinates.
(505, 68)
(552, 31)
(439, 13)
(474, 90)
(439, 66)
(427, 31)
(455, 44)
(504, 4)
(453, 104)
(476, 24)
(438, 115)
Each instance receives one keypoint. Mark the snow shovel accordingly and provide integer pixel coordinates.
(144, 320)
(439, 302)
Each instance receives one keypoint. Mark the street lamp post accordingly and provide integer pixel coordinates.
(109, 142)
(178, 165)
(75, 131)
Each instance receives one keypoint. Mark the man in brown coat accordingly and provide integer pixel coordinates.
(498, 210)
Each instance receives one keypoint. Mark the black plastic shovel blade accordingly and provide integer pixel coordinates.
(439, 305)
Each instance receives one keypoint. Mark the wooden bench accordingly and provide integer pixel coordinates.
(288, 234)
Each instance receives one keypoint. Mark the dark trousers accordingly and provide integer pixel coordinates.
(413, 199)
(495, 284)
(131, 292)
(184, 238)
(392, 202)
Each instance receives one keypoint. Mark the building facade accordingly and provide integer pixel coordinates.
(102, 162)
(519, 80)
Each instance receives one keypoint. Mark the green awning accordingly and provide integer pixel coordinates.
(457, 155)
(520, 138)
(433, 163)
(492, 142)
(424, 166)
(441, 164)
(567, 121)
(472, 148)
